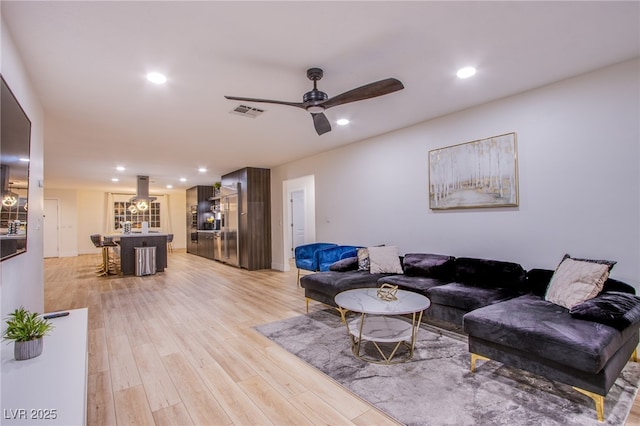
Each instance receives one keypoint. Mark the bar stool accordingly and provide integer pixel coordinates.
(170, 243)
(110, 248)
(103, 268)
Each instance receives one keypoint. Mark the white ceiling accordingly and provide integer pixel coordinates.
(87, 61)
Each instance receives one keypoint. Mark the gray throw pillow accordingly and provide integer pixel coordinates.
(615, 309)
(344, 265)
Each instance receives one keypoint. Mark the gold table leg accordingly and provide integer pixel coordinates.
(343, 314)
(356, 342)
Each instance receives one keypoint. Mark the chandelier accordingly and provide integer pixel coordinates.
(9, 200)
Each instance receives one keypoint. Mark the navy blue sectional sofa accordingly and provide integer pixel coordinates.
(502, 309)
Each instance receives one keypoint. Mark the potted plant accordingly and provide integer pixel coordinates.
(216, 188)
(27, 330)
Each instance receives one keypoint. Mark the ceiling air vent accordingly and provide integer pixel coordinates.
(247, 111)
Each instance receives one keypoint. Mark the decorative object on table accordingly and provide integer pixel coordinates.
(27, 329)
(481, 173)
(387, 292)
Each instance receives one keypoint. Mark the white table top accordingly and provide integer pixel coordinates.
(365, 300)
(50, 389)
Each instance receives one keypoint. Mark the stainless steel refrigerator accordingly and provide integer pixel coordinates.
(229, 225)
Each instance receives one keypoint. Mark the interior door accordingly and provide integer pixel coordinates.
(297, 219)
(51, 228)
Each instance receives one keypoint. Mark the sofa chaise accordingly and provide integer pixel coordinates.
(587, 352)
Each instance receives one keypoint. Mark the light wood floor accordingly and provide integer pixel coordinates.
(178, 348)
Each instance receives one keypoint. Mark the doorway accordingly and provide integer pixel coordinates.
(298, 214)
(51, 227)
(297, 219)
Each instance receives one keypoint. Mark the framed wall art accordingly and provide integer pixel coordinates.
(481, 173)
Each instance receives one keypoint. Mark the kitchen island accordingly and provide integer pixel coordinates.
(12, 244)
(128, 243)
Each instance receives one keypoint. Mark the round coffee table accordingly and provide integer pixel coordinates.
(379, 322)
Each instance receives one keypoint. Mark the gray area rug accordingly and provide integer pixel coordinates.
(436, 386)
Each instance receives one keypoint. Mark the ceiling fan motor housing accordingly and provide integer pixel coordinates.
(315, 96)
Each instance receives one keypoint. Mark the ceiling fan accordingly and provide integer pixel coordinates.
(316, 101)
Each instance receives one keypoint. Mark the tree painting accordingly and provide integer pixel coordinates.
(482, 173)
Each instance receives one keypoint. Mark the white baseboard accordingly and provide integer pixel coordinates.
(278, 266)
(68, 254)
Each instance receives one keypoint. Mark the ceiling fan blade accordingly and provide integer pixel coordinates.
(268, 101)
(371, 90)
(321, 123)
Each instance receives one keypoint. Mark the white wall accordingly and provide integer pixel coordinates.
(22, 277)
(579, 162)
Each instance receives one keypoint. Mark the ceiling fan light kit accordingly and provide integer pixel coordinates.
(317, 101)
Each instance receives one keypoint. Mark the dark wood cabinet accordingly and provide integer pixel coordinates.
(254, 204)
(205, 244)
(198, 210)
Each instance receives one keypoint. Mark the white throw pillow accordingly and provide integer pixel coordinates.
(576, 281)
(384, 260)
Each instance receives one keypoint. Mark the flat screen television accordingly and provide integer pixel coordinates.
(15, 144)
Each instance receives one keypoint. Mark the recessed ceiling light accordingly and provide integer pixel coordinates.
(169, 186)
(120, 168)
(157, 78)
(183, 179)
(115, 180)
(466, 72)
(202, 170)
(342, 122)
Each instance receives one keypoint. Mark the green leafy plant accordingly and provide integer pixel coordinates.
(23, 326)
(217, 186)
